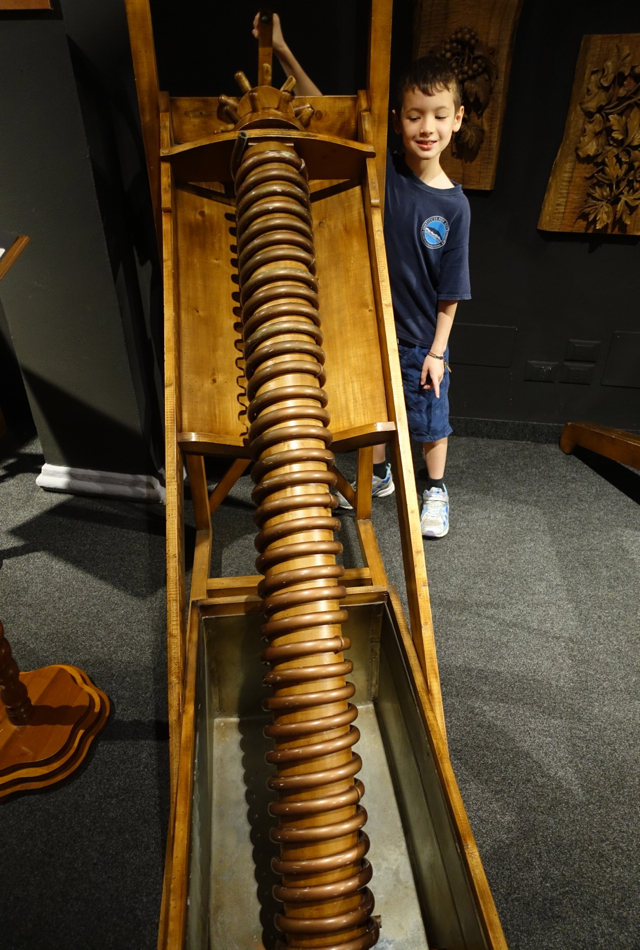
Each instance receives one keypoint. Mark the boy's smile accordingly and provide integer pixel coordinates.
(426, 124)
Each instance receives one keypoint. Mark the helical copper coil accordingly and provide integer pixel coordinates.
(324, 872)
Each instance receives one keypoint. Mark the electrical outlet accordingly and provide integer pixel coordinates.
(577, 373)
(582, 351)
(541, 371)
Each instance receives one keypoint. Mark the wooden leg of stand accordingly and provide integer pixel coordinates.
(200, 499)
(13, 692)
(371, 552)
(363, 484)
(226, 483)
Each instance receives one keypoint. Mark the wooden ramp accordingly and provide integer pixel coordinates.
(214, 629)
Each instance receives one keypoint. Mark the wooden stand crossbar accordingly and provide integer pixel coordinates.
(48, 720)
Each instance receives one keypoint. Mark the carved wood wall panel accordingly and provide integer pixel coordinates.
(594, 184)
(478, 37)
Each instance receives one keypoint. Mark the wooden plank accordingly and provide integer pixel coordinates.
(210, 332)
(355, 382)
(248, 584)
(202, 517)
(228, 444)
(371, 552)
(174, 898)
(325, 156)
(199, 492)
(210, 443)
(363, 483)
(12, 254)
(616, 444)
(467, 846)
(495, 23)
(146, 74)
(176, 595)
(240, 604)
(401, 456)
(196, 117)
(210, 336)
(570, 182)
(379, 62)
(250, 581)
(353, 438)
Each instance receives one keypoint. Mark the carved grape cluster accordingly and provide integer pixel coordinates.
(476, 70)
(611, 142)
(459, 49)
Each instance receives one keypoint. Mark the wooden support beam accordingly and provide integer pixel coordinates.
(401, 457)
(363, 483)
(378, 83)
(227, 482)
(146, 74)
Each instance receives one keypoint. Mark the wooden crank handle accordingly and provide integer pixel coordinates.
(265, 46)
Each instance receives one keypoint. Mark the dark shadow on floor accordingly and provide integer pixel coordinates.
(621, 477)
(120, 543)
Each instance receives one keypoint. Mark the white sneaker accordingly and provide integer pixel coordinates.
(380, 488)
(434, 519)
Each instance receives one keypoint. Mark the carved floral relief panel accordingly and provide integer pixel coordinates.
(594, 184)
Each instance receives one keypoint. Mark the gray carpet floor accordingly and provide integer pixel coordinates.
(536, 610)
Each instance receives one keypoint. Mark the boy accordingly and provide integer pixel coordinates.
(426, 236)
(426, 231)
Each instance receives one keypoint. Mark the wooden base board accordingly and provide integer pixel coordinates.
(69, 713)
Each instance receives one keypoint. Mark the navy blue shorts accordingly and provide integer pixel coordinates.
(428, 416)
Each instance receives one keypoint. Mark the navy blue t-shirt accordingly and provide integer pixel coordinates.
(426, 232)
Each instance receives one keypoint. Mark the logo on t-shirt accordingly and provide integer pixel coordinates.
(434, 232)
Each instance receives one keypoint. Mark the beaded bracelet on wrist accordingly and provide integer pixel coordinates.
(436, 357)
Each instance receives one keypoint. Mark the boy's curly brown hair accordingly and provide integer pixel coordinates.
(429, 74)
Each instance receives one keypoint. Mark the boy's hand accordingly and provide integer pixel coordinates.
(277, 38)
(432, 373)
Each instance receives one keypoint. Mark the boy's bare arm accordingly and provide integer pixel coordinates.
(304, 85)
(432, 368)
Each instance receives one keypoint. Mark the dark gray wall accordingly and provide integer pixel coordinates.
(75, 300)
(101, 59)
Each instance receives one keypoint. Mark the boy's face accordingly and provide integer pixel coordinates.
(426, 124)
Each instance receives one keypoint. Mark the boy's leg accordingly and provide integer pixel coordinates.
(435, 457)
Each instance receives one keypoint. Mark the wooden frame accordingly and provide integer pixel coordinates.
(188, 152)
